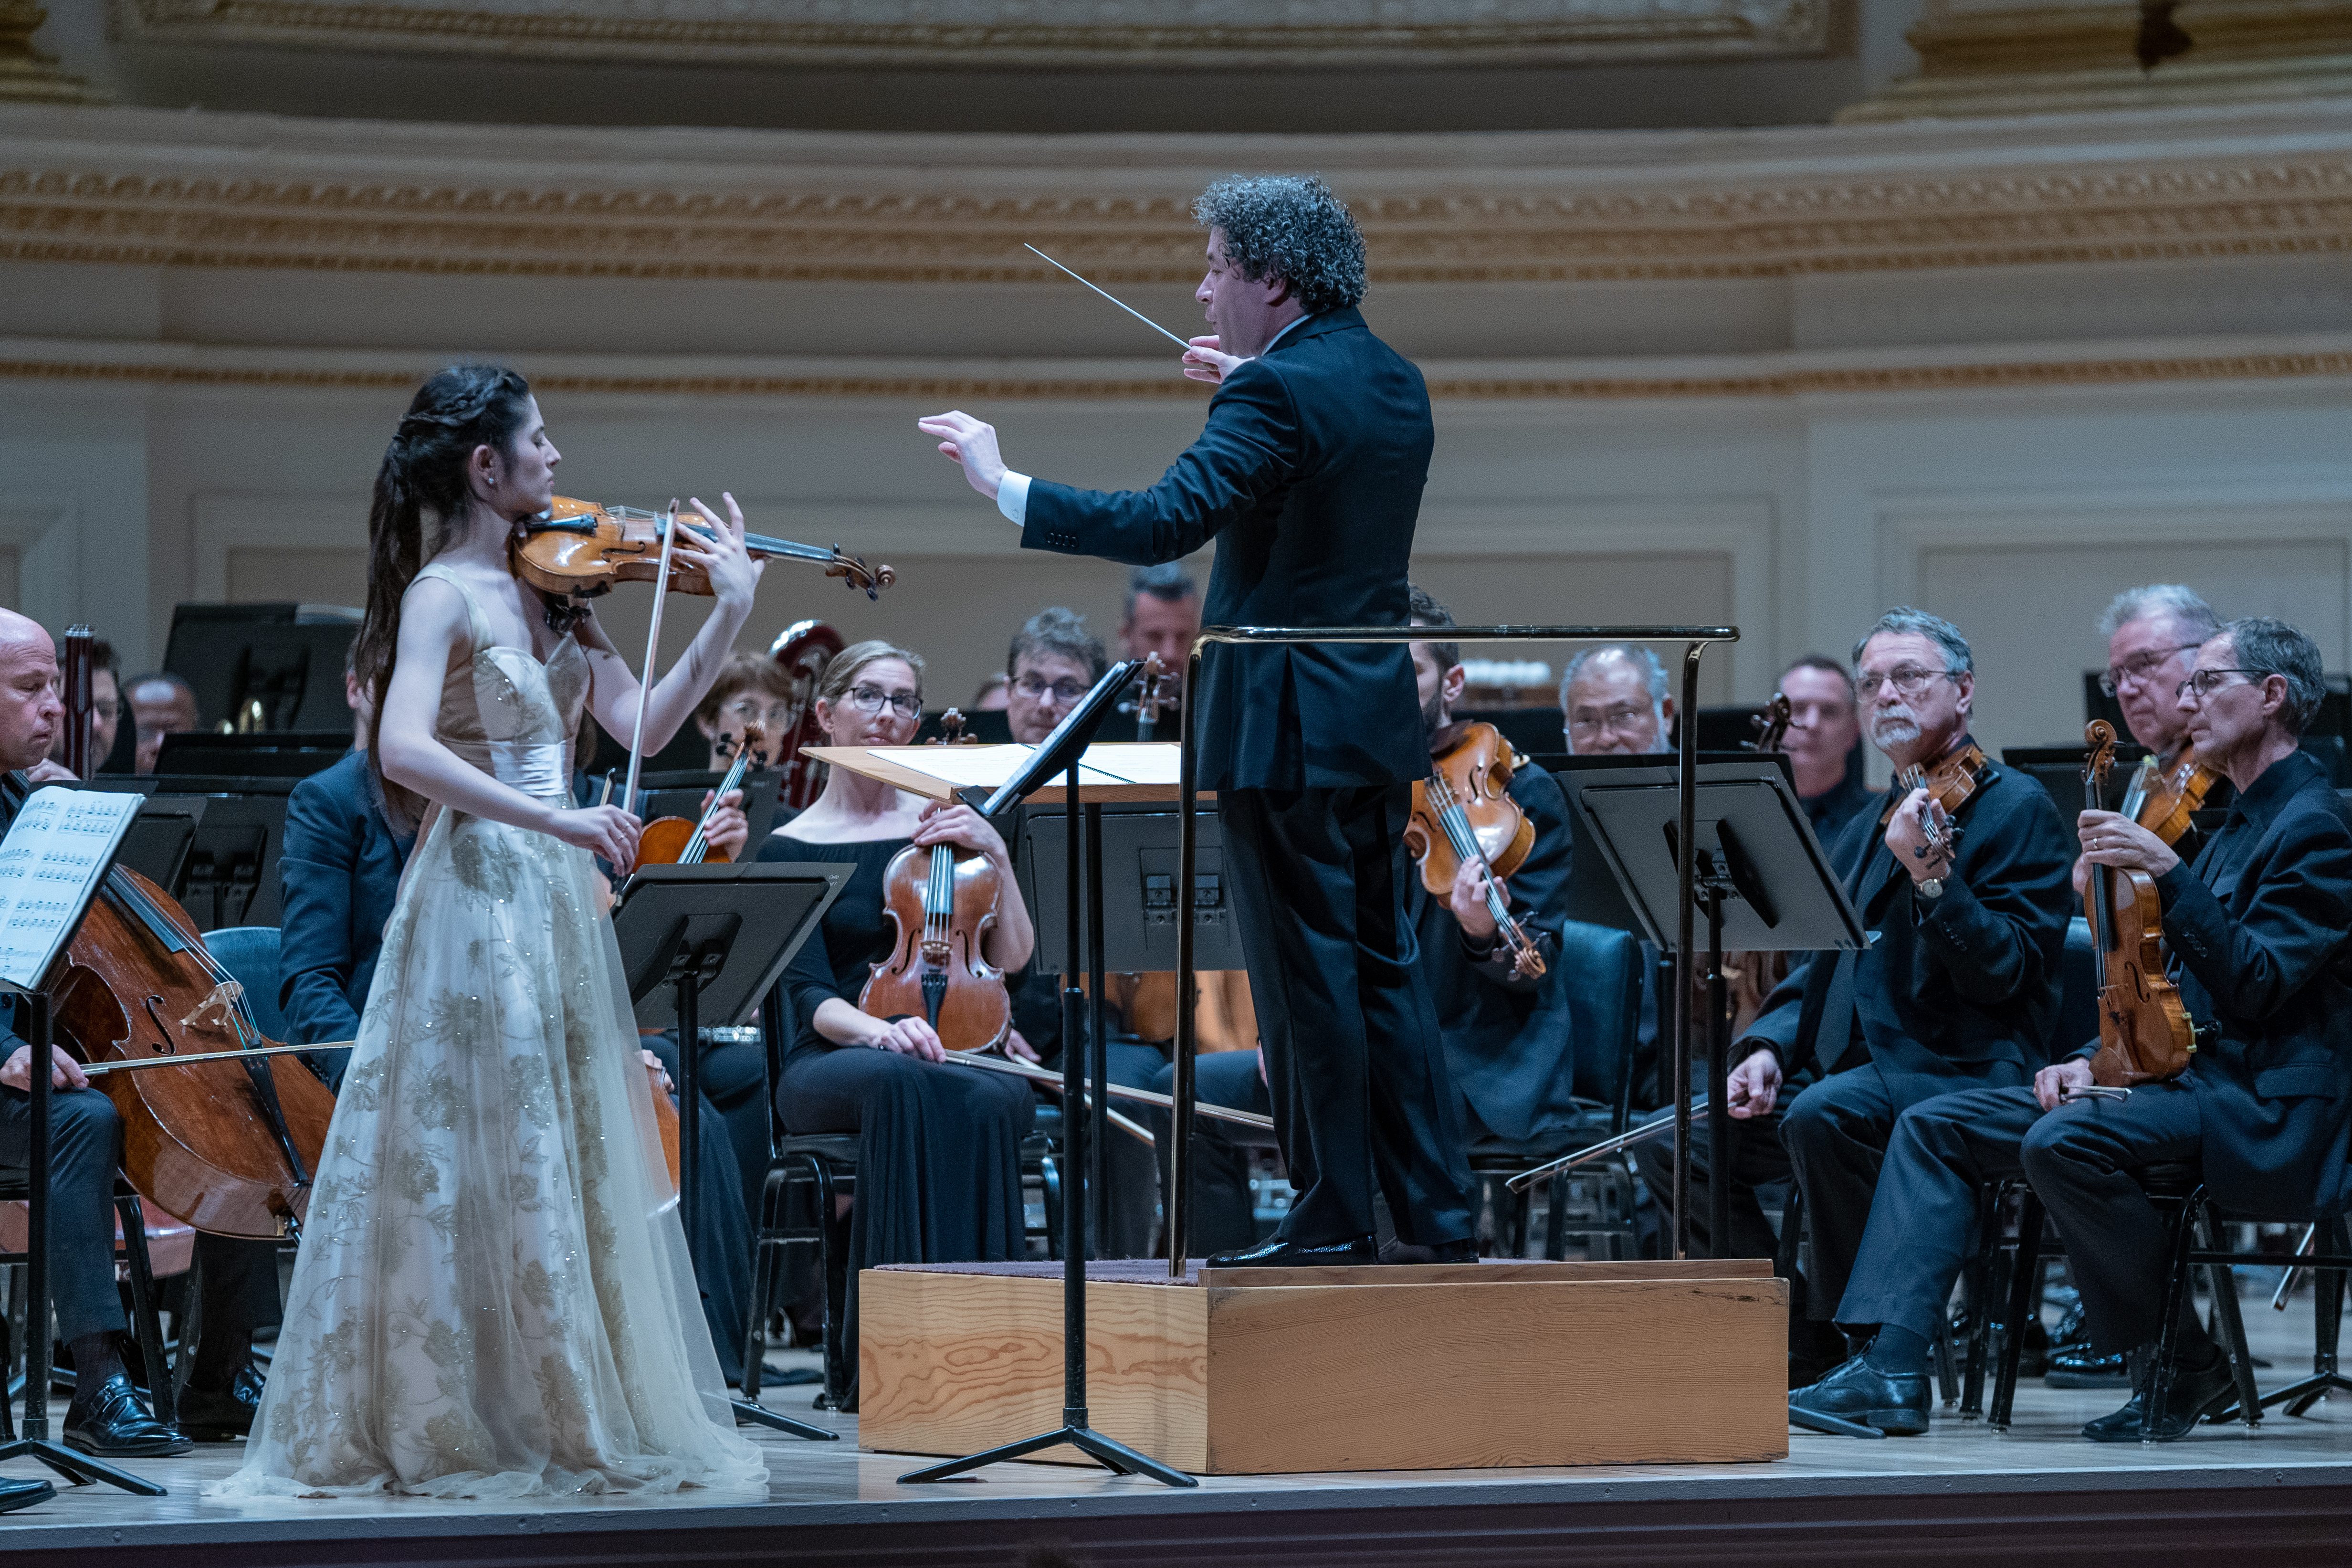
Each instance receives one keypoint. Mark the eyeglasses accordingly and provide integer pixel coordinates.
(744, 707)
(1908, 681)
(2141, 666)
(870, 699)
(2206, 682)
(1623, 718)
(1060, 692)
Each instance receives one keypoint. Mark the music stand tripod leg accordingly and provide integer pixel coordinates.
(689, 974)
(79, 1468)
(1077, 1118)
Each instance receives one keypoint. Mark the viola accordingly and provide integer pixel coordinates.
(1463, 811)
(228, 1145)
(675, 841)
(805, 649)
(1150, 698)
(2164, 798)
(1771, 724)
(942, 900)
(1951, 785)
(2144, 1032)
(576, 550)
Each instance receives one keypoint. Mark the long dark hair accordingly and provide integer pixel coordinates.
(424, 472)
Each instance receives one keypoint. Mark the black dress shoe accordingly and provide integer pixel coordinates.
(2081, 1367)
(1463, 1251)
(221, 1415)
(1895, 1403)
(109, 1423)
(1281, 1253)
(2195, 1392)
(15, 1494)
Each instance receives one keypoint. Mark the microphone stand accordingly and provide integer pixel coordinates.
(79, 1468)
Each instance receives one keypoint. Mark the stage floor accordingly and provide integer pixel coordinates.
(2037, 1493)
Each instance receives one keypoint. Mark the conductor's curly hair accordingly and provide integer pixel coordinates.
(1292, 227)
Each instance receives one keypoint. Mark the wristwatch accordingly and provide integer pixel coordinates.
(1931, 888)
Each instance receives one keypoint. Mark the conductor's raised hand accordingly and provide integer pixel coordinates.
(963, 439)
(605, 830)
(1204, 361)
(720, 551)
(962, 827)
(908, 1036)
(1754, 1086)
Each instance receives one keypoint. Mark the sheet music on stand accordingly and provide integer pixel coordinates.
(50, 862)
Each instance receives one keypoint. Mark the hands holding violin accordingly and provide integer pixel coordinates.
(1467, 900)
(2112, 840)
(1925, 855)
(719, 552)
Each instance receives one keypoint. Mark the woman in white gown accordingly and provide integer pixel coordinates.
(492, 1295)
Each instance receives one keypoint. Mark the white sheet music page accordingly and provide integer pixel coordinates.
(50, 862)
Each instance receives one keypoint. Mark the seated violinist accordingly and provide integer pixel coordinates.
(939, 1145)
(2260, 930)
(107, 1417)
(2153, 634)
(1509, 1049)
(1960, 988)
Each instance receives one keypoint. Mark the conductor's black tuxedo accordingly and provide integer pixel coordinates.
(1308, 475)
(1953, 993)
(2261, 926)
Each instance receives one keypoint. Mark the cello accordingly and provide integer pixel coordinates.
(2144, 1032)
(1464, 811)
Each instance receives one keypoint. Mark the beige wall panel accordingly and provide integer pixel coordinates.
(11, 575)
(305, 576)
(2029, 612)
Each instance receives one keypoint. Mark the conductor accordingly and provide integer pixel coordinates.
(1309, 474)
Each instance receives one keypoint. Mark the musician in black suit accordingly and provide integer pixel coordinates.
(1308, 475)
(1960, 988)
(2258, 927)
(106, 1417)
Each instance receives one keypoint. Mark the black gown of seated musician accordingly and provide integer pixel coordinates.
(938, 1146)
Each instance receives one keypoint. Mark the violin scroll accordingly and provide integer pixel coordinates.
(856, 575)
(1771, 724)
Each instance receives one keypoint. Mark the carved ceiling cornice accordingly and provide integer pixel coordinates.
(604, 208)
(965, 35)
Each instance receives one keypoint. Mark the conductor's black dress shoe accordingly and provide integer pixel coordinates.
(1280, 1253)
(2195, 1392)
(1893, 1402)
(221, 1415)
(109, 1423)
(15, 1494)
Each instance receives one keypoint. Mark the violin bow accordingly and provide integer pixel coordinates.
(652, 646)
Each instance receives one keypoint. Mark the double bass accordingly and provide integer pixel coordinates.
(1464, 811)
(2144, 1032)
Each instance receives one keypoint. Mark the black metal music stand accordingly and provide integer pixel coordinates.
(1060, 753)
(79, 1468)
(720, 935)
(1759, 875)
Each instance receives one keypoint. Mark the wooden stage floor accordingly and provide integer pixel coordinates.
(2280, 1497)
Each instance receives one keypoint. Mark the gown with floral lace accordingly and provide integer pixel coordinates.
(492, 1297)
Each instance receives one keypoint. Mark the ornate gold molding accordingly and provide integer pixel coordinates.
(26, 75)
(2281, 205)
(1226, 35)
(2254, 365)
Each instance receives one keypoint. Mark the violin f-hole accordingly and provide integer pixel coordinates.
(163, 1047)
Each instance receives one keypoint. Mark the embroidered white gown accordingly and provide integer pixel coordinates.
(492, 1295)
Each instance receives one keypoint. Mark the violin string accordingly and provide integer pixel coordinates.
(1465, 847)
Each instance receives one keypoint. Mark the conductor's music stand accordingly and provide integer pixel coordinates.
(716, 935)
(1060, 753)
(1761, 882)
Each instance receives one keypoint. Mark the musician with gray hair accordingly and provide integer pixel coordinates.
(1614, 700)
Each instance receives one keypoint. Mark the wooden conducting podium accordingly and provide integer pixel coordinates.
(1258, 1371)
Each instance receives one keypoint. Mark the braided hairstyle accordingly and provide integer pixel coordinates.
(463, 407)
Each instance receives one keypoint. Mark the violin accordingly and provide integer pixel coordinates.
(1951, 785)
(942, 900)
(951, 727)
(805, 649)
(1464, 810)
(229, 1146)
(576, 550)
(2144, 1032)
(1771, 724)
(2164, 798)
(1150, 698)
(675, 841)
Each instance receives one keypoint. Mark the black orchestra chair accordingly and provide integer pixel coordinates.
(1605, 1011)
(146, 1314)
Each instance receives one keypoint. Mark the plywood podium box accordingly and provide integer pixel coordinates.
(1255, 1371)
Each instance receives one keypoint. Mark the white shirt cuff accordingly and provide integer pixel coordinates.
(1013, 499)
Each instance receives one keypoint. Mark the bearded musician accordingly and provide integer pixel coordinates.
(1960, 989)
